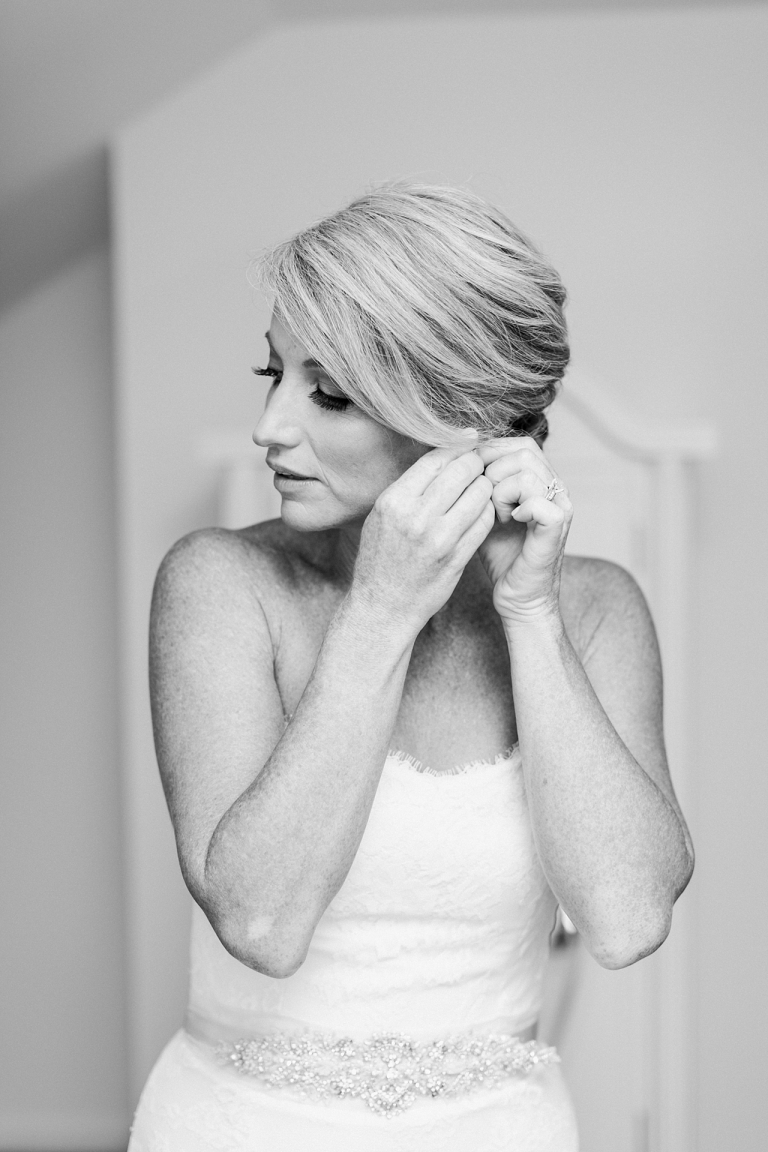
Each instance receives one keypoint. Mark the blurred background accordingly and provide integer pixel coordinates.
(148, 149)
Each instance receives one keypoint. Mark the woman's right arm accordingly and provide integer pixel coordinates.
(268, 819)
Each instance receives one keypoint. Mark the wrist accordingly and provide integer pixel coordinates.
(370, 621)
(539, 624)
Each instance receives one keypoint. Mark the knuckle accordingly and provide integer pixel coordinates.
(442, 541)
(386, 501)
(529, 445)
(505, 493)
(470, 464)
(396, 510)
(415, 524)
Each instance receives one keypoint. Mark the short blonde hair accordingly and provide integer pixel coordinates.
(429, 309)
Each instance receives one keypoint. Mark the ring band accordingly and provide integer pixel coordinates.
(553, 488)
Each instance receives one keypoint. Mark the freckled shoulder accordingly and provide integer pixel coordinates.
(254, 566)
(295, 562)
(298, 591)
(591, 589)
(273, 551)
(298, 594)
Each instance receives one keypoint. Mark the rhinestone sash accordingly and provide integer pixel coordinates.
(389, 1070)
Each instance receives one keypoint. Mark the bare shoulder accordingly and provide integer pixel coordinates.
(209, 553)
(587, 579)
(214, 564)
(216, 705)
(600, 598)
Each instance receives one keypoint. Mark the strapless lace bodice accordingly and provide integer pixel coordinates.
(439, 930)
(441, 924)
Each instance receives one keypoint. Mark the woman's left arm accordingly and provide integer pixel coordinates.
(609, 832)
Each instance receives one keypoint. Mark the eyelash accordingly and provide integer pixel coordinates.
(322, 399)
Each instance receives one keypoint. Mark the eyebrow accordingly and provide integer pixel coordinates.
(305, 363)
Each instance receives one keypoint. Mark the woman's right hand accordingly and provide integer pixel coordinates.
(419, 536)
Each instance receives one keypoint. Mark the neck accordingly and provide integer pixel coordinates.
(344, 553)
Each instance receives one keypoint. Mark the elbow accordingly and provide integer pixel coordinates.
(627, 931)
(272, 944)
(277, 967)
(687, 871)
(635, 943)
(615, 958)
(259, 944)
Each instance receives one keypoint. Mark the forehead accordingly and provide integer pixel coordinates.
(282, 340)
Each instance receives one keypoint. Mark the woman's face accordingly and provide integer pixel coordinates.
(311, 429)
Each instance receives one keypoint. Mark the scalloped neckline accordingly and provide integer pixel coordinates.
(418, 768)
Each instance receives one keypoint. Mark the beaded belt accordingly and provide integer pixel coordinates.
(389, 1070)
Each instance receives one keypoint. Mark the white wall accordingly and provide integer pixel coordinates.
(633, 147)
(69, 73)
(62, 1041)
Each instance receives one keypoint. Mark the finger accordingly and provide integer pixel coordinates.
(516, 489)
(416, 479)
(491, 450)
(543, 512)
(469, 504)
(523, 459)
(448, 486)
(475, 534)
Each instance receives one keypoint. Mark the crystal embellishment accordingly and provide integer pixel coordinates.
(389, 1070)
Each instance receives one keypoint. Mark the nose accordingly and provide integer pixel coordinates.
(278, 424)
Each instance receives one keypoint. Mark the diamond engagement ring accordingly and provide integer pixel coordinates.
(553, 488)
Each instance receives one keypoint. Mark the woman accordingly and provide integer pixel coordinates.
(396, 727)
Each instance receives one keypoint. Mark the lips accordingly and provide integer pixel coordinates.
(281, 470)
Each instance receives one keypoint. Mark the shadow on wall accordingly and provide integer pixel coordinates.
(52, 223)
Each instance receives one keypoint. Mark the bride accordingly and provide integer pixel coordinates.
(397, 727)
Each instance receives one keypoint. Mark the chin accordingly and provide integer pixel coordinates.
(299, 517)
(303, 517)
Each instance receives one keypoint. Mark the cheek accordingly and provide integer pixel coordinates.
(360, 470)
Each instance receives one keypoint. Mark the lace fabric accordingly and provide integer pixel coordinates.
(440, 929)
(396, 756)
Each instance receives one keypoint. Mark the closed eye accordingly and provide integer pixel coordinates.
(322, 399)
(269, 371)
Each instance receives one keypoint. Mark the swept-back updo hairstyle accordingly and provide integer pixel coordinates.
(429, 309)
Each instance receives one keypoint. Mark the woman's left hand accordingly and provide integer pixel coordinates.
(523, 553)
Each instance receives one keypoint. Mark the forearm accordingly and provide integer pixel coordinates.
(611, 844)
(281, 852)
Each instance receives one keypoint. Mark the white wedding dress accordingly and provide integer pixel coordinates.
(439, 933)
